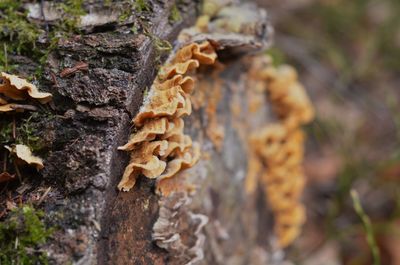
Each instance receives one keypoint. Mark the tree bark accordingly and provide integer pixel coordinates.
(97, 224)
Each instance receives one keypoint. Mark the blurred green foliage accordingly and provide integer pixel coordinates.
(358, 44)
(358, 38)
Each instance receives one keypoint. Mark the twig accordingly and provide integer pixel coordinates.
(5, 162)
(54, 78)
(14, 128)
(368, 227)
(80, 66)
(17, 171)
(24, 107)
(44, 196)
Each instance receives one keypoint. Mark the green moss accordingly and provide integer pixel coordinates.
(72, 12)
(5, 132)
(107, 3)
(21, 236)
(19, 36)
(5, 65)
(142, 5)
(125, 14)
(16, 28)
(134, 29)
(161, 45)
(175, 15)
(130, 7)
(27, 133)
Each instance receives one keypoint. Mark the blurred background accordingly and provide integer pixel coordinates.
(348, 57)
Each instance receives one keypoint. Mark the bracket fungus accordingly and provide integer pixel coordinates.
(12, 89)
(279, 148)
(179, 230)
(24, 154)
(160, 149)
(17, 88)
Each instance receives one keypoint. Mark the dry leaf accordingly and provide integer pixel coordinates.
(10, 205)
(5, 177)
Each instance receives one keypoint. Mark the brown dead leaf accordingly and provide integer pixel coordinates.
(5, 177)
(10, 205)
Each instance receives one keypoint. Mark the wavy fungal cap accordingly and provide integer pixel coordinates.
(279, 147)
(24, 154)
(159, 149)
(19, 89)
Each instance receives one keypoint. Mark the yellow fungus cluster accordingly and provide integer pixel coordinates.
(278, 148)
(24, 155)
(207, 96)
(159, 149)
(14, 89)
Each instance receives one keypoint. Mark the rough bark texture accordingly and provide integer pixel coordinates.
(94, 111)
(98, 224)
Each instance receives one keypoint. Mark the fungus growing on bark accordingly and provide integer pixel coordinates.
(208, 96)
(19, 89)
(159, 148)
(24, 155)
(144, 161)
(215, 130)
(13, 88)
(15, 107)
(147, 133)
(279, 148)
(6, 107)
(178, 230)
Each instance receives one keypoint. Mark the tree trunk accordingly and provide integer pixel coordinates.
(97, 224)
